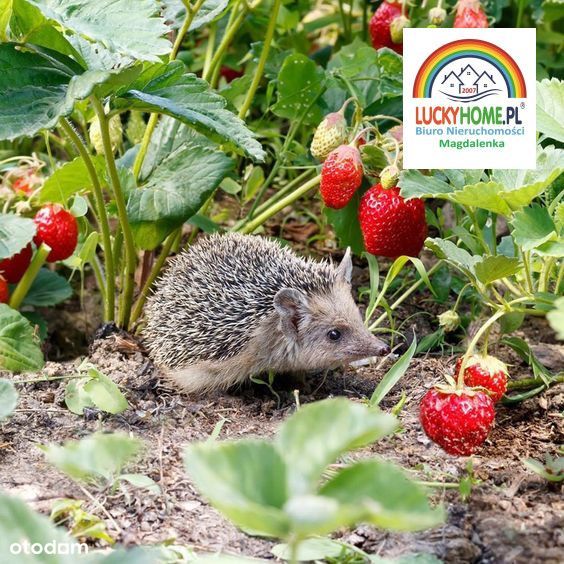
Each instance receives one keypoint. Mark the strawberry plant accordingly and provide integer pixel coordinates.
(278, 488)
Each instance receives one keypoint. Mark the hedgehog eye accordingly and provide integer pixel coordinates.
(334, 334)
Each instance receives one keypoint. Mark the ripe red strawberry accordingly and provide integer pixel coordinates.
(341, 176)
(4, 292)
(392, 226)
(459, 422)
(486, 372)
(57, 228)
(380, 26)
(230, 74)
(13, 268)
(470, 13)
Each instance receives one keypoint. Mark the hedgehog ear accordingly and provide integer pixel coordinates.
(344, 270)
(291, 305)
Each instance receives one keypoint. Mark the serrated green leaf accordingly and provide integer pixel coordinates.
(174, 192)
(492, 268)
(300, 83)
(245, 480)
(98, 457)
(8, 398)
(484, 195)
(550, 108)
(18, 524)
(325, 430)
(76, 399)
(141, 481)
(456, 256)
(383, 495)
(70, 179)
(104, 392)
(189, 99)
(130, 27)
(309, 550)
(373, 75)
(414, 184)
(19, 347)
(556, 318)
(15, 233)
(48, 289)
(39, 88)
(5, 15)
(532, 226)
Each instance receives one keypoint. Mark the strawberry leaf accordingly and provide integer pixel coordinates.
(532, 227)
(550, 108)
(19, 347)
(129, 27)
(493, 268)
(15, 233)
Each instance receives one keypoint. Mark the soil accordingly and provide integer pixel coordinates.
(511, 516)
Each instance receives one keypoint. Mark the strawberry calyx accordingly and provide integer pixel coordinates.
(452, 388)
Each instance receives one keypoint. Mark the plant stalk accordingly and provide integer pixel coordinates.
(30, 275)
(155, 270)
(130, 254)
(103, 222)
(262, 60)
(281, 204)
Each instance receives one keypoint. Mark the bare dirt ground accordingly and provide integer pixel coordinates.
(512, 515)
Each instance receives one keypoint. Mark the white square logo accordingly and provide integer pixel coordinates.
(469, 98)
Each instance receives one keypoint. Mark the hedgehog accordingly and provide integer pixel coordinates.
(234, 306)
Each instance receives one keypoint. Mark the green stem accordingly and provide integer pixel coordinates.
(520, 11)
(130, 254)
(275, 197)
(483, 329)
(262, 60)
(529, 383)
(100, 280)
(545, 274)
(280, 205)
(230, 32)
(528, 276)
(155, 270)
(405, 295)
(30, 274)
(103, 222)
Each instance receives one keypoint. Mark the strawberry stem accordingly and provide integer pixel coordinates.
(486, 327)
(109, 301)
(30, 275)
(280, 205)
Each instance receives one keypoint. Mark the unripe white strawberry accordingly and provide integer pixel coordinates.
(449, 320)
(396, 28)
(389, 176)
(437, 15)
(330, 133)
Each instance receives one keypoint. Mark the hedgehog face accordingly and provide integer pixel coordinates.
(325, 330)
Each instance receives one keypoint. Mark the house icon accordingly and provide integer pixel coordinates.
(452, 83)
(468, 75)
(483, 82)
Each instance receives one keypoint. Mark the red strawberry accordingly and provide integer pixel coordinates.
(380, 26)
(341, 176)
(4, 293)
(487, 372)
(57, 228)
(392, 226)
(459, 422)
(230, 74)
(13, 268)
(470, 13)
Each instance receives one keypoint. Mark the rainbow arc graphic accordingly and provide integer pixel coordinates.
(469, 48)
